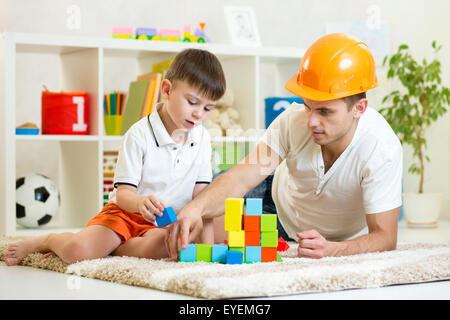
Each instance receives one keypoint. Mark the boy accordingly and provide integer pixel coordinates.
(164, 161)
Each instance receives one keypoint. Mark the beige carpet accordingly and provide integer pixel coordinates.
(410, 263)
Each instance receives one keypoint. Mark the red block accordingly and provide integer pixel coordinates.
(252, 238)
(268, 254)
(252, 223)
(282, 245)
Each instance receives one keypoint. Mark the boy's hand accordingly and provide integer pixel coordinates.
(148, 206)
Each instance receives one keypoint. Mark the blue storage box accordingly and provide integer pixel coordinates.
(276, 105)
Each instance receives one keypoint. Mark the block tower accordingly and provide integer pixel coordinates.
(253, 233)
(252, 236)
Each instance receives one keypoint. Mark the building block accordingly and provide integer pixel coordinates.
(253, 207)
(269, 239)
(204, 252)
(268, 222)
(240, 249)
(251, 223)
(234, 257)
(233, 222)
(122, 30)
(252, 238)
(279, 258)
(168, 217)
(252, 254)
(236, 238)
(268, 254)
(282, 245)
(189, 254)
(219, 253)
(234, 206)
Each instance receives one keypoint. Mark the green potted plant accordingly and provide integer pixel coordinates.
(420, 102)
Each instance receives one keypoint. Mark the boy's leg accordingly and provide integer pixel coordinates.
(219, 229)
(207, 235)
(95, 241)
(150, 245)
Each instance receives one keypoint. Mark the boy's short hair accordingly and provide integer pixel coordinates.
(351, 100)
(201, 69)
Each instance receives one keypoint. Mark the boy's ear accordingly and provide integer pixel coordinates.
(166, 88)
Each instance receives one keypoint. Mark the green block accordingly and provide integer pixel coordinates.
(241, 249)
(204, 252)
(269, 239)
(279, 258)
(268, 222)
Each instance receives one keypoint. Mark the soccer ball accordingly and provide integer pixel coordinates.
(37, 200)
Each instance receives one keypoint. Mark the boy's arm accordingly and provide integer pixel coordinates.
(199, 187)
(148, 206)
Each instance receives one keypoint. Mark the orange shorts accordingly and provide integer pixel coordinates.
(125, 223)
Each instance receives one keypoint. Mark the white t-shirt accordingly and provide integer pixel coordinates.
(151, 161)
(365, 179)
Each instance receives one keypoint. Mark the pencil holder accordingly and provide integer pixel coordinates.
(113, 124)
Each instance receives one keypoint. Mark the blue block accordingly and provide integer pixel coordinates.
(189, 254)
(219, 253)
(253, 207)
(168, 217)
(252, 254)
(234, 257)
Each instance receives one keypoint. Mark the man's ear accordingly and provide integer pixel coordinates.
(360, 108)
(166, 88)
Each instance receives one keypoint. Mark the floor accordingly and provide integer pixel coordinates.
(30, 283)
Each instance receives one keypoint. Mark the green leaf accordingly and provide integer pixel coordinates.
(390, 74)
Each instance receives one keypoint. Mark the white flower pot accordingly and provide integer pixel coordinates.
(422, 210)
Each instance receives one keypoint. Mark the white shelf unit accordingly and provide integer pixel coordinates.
(98, 66)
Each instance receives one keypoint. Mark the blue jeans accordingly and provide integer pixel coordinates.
(264, 191)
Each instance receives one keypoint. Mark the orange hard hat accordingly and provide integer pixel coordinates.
(335, 66)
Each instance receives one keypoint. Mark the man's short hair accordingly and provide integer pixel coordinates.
(351, 100)
(201, 69)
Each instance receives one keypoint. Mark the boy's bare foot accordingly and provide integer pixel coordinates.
(19, 250)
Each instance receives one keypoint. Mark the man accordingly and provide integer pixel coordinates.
(338, 163)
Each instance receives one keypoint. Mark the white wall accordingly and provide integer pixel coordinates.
(288, 23)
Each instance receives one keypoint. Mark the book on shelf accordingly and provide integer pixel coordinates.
(135, 101)
(152, 94)
(161, 68)
(143, 95)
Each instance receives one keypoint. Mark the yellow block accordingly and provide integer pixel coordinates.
(236, 238)
(234, 206)
(233, 222)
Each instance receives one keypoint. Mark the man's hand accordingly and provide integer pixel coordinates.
(312, 244)
(187, 228)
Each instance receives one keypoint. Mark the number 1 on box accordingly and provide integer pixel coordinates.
(80, 125)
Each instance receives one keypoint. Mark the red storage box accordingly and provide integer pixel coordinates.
(64, 113)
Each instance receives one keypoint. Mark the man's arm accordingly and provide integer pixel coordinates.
(210, 203)
(382, 236)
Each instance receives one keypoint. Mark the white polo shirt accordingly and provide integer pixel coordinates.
(151, 161)
(365, 179)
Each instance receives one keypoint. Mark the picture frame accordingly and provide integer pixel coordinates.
(242, 26)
